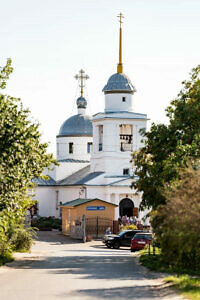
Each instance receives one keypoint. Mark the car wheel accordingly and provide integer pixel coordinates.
(132, 250)
(108, 246)
(116, 245)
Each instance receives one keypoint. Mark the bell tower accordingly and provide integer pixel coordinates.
(116, 132)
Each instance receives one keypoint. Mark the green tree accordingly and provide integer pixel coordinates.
(176, 223)
(168, 147)
(22, 158)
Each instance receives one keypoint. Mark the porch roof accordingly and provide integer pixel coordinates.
(80, 201)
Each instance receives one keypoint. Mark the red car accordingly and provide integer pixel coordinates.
(140, 240)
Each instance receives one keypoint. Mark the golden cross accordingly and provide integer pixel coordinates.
(81, 77)
(120, 18)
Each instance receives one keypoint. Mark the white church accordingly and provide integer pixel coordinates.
(94, 152)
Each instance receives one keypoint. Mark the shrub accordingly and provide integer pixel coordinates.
(47, 223)
(176, 224)
(7, 257)
(21, 239)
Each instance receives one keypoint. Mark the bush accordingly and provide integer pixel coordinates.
(7, 257)
(47, 223)
(21, 239)
(176, 223)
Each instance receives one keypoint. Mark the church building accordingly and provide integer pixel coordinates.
(94, 153)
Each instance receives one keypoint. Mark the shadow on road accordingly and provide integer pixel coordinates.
(104, 247)
(92, 267)
(126, 292)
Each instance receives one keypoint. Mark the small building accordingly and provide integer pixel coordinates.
(92, 209)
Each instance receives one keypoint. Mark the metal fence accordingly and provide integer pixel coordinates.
(97, 226)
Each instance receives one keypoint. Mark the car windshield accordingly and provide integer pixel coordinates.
(122, 232)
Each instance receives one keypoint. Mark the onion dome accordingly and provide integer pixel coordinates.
(81, 102)
(78, 125)
(119, 82)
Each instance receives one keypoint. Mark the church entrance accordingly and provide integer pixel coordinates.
(126, 206)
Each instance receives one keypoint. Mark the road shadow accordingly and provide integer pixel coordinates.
(126, 292)
(105, 247)
(89, 267)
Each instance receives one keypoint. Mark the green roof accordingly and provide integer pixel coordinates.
(80, 201)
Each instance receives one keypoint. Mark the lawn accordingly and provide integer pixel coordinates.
(189, 286)
(186, 281)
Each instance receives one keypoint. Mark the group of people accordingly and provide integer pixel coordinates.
(133, 220)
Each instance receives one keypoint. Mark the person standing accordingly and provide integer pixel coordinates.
(108, 231)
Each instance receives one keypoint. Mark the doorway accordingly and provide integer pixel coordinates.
(126, 206)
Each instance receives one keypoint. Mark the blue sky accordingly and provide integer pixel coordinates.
(49, 41)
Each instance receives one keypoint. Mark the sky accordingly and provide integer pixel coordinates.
(49, 41)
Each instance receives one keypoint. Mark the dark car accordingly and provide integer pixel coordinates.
(140, 240)
(121, 239)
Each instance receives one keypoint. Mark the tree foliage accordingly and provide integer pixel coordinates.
(167, 147)
(22, 157)
(176, 223)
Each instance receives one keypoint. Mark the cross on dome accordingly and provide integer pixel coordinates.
(120, 18)
(81, 77)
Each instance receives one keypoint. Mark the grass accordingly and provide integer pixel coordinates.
(6, 258)
(183, 280)
(189, 286)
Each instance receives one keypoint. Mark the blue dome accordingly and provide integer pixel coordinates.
(78, 125)
(119, 82)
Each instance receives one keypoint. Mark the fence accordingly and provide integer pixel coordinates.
(97, 226)
(94, 227)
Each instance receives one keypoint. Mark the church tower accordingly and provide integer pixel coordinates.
(116, 131)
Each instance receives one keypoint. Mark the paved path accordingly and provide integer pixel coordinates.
(59, 268)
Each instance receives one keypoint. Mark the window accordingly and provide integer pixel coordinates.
(123, 99)
(89, 147)
(125, 171)
(57, 200)
(100, 137)
(71, 147)
(126, 137)
(129, 235)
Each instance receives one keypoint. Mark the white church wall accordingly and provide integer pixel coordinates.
(69, 193)
(47, 201)
(118, 102)
(80, 147)
(49, 198)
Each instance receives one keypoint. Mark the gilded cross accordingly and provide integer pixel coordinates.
(120, 18)
(81, 77)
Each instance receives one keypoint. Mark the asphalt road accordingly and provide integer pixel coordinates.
(59, 268)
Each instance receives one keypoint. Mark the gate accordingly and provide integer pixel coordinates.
(97, 226)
